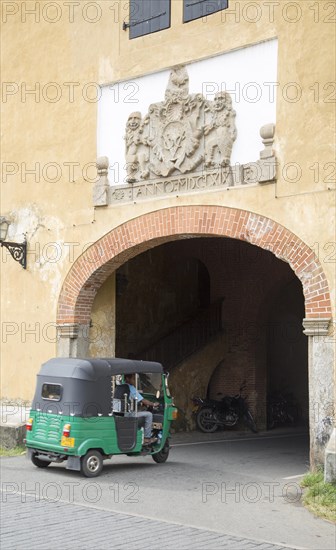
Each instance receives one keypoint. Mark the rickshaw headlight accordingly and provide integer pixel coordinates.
(66, 430)
(29, 424)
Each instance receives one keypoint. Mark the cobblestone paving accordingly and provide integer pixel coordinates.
(44, 525)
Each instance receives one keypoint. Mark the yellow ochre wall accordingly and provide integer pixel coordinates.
(72, 53)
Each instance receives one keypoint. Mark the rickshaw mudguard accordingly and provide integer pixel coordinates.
(94, 443)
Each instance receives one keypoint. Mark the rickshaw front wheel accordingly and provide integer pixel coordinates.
(162, 455)
(92, 463)
(38, 462)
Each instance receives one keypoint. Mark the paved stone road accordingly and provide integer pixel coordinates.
(29, 524)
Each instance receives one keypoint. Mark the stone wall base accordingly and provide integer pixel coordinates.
(330, 459)
(12, 436)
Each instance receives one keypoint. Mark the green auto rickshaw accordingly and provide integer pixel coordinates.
(83, 413)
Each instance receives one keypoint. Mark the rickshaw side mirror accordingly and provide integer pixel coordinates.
(166, 375)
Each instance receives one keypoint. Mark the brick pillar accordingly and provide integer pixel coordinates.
(321, 387)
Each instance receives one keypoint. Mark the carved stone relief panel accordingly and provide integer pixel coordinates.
(181, 134)
(181, 145)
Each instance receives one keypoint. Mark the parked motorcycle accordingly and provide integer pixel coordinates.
(211, 413)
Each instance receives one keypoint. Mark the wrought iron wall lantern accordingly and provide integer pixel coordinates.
(18, 251)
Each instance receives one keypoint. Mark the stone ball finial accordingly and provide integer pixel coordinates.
(102, 163)
(100, 188)
(267, 135)
(267, 132)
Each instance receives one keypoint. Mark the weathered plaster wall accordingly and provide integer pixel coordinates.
(102, 332)
(57, 140)
(191, 378)
(321, 396)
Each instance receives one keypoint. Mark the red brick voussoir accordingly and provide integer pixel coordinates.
(128, 240)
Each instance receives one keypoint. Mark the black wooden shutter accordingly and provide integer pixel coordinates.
(147, 16)
(193, 9)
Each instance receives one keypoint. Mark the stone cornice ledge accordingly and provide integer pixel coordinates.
(68, 330)
(316, 326)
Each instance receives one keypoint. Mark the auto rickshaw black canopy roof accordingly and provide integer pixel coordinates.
(85, 385)
(94, 369)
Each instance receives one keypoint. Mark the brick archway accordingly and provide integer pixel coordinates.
(135, 236)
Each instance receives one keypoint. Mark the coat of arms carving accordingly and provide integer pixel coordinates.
(184, 133)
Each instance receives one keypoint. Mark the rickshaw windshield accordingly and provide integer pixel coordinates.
(150, 383)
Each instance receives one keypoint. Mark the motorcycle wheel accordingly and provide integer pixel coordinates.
(206, 421)
(250, 422)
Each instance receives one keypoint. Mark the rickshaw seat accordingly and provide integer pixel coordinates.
(120, 391)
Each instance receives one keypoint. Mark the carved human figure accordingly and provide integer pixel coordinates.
(137, 156)
(221, 130)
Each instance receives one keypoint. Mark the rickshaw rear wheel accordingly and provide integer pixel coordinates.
(92, 463)
(39, 463)
(162, 455)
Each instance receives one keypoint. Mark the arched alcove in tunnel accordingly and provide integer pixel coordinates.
(158, 292)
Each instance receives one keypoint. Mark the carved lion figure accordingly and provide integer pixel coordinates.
(137, 156)
(220, 132)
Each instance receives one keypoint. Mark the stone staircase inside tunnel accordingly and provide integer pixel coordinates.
(187, 338)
